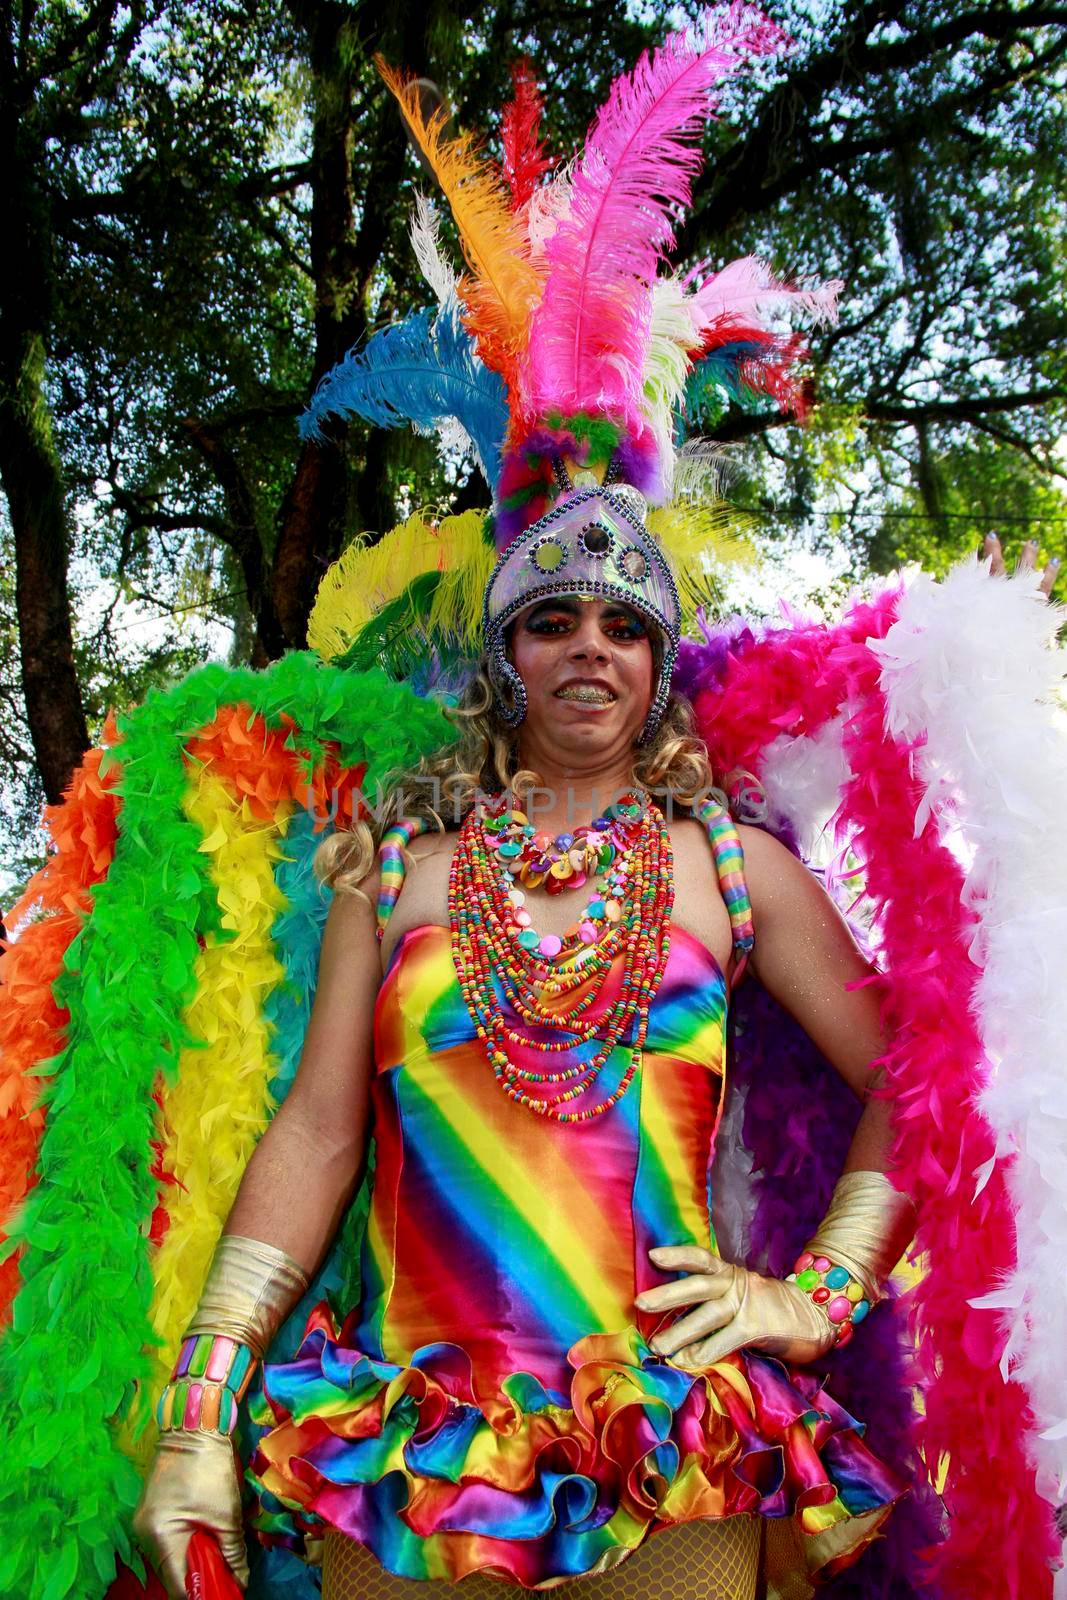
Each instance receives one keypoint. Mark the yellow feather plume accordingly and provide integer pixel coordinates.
(366, 577)
(504, 286)
(698, 540)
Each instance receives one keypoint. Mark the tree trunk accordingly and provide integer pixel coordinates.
(311, 527)
(33, 484)
(29, 465)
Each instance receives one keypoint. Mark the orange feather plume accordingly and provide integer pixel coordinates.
(503, 286)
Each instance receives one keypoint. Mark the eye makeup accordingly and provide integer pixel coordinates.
(559, 616)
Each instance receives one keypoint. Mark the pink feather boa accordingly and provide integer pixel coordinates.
(1000, 1540)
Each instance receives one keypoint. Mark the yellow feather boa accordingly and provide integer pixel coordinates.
(213, 1116)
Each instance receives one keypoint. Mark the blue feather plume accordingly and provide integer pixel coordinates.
(716, 381)
(422, 370)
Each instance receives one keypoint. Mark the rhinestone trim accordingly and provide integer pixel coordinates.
(583, 541)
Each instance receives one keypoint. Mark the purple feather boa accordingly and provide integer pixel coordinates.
(799, 1120)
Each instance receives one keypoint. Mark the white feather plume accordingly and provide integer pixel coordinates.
(452, 437)
(426, 242)
(667, 365)
(702, 470)
(545, 209)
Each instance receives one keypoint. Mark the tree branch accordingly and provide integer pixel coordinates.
(965, 409)
(274, 181)
(140, 513)
(832, 156)
(846, 330)
(995, 22)
(67, 48)
(1007, 436)
(243, 535)
(974, 409)
(747, 182)
(232, 421)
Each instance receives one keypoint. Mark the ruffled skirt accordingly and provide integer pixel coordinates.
(537, 1486)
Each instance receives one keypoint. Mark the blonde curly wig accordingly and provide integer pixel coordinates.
(483, 758)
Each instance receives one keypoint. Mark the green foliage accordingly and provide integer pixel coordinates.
(982, 489)
(919, 158)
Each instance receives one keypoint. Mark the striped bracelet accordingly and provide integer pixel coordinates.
(209, 1381)
(841, 1296)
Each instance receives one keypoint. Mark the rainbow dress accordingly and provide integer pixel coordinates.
(492, 1404)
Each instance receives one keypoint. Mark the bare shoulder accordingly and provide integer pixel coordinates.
(427, 845)
(694, 863)
(776, 878)
(763, 852)
(347, 902)
(689, 836)
(698, 905)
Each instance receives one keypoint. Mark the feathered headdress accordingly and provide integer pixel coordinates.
(565, 355)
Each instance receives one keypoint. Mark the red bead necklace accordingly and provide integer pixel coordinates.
(485, 948)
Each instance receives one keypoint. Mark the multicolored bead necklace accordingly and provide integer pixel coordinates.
(527, 859)
(486, 947)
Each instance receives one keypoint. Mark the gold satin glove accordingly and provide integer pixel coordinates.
(250, 1290)
(866, 1230)
(735, 1309)
(194, 1481)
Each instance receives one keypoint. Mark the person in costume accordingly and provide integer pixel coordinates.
(541, 1050)
(539, 1205)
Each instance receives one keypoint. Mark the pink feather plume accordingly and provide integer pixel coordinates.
(747, 292)
(524, 158)
(590, 331)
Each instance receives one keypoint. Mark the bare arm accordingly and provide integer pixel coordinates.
(805, 956)
(300, 1179)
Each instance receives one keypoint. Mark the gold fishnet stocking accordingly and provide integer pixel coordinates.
(693, 1561)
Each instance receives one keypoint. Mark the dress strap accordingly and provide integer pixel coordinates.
(730, 865)
(393, 865)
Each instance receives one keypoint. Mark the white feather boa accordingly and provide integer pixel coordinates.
(803, 778)
(971, 664)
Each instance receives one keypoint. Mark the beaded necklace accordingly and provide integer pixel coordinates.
(526, 859)
(485, 948)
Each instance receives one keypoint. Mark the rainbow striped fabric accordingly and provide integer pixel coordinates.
(392, 867)
(730, 865)
(493, 1402)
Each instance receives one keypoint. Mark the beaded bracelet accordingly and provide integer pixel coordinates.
(209, 1380)
(842, 1297)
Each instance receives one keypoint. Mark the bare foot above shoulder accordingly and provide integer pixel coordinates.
(1026, 563)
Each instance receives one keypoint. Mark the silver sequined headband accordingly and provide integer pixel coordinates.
(594, 541)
